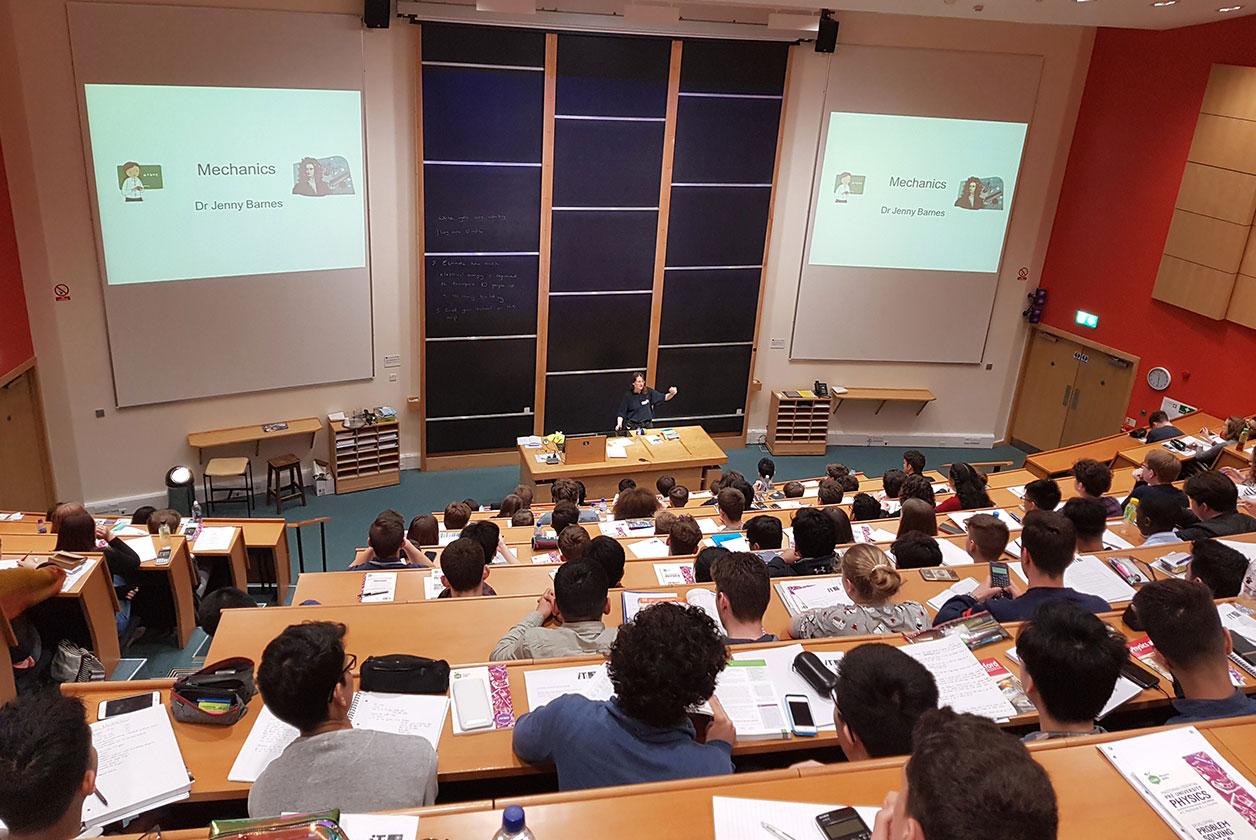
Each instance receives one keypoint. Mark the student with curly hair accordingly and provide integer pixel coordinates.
(663, 662)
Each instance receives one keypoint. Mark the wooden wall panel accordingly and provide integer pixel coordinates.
(1220, 193)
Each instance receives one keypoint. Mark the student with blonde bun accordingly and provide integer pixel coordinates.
(870, 579)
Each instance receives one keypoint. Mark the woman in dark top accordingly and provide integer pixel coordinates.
(637, 407)
(424, 530)
(970, 490)
(78, 532)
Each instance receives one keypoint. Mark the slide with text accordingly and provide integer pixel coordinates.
(196, 182)
(923, 193)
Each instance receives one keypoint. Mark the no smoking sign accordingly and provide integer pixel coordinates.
(61, 292)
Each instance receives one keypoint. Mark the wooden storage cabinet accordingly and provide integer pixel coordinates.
(367, 457)
(798, 425)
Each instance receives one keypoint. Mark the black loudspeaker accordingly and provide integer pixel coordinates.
(377, 14)
(826, 37)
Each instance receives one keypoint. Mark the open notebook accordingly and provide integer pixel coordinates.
(139, 766)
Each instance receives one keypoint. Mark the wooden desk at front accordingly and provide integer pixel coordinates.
(686, 459)
(200, 441)
(1057, 462)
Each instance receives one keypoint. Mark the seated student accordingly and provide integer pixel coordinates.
(1047, 545)
(579, 601)
(1155, 477)
(743, 590)
(815, 538)
(635, 503)
(880, 696)
(1182, 621)
(1093, 479)
(565, 513)
(1245, 476)
(793, 490)
(705, 562)
(970, 490)
(916, 550)
(525, 496)
(566, 490)
(456, 516)
(1218, 567)
(1214, 499)
(664, 484)
(664, 661)
(870, 580)
(1041, 494)
(987, 538)
(1229, 433)
(572, 545)
(863, 507)
(1159, 428)
(917, 487)
(524, 518)
(684, 537)
(423, 530)
(737, 482)
(913, 462)
(849, 483)
(386, 547)
(1069, 664)
(489, 536)
(843, 533)
(209, 613)
(892, 482)
(764, 533)
(918, 515)
(678, 496)
(1004, 793)
(306, 681)
(1158, 517)
(172, 519)
(1089, 523)
(509, 506)
(836, 470)
(829, 492)
(767, 471)
(472, 504)
(663, 522)
(731, 503)
(609, 554)
(140, 517)
(463, 571)
(78, 532)
(47, 766)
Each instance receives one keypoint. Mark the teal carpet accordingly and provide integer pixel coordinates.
(424, 492)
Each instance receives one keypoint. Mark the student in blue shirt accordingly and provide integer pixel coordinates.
(1182, 622)
(567, 490)
(663, 662)
(1047, 543)
(388, 548)
(1159, 428)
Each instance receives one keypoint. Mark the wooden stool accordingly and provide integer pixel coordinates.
(228, 468)
(294, 489)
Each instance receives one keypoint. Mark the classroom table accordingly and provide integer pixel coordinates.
(883, 395)
(1056, 462)
(687, 459)
(1232, 457)
(255, 434)
(266, 540)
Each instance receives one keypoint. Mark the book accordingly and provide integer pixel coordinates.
(674, 574)
(545, 684)
(1188, 783)
(963, 586)
(1143, 648)
(811, 595)
(1123, 690)
(704, 599)
(750, 700)
(1009, 684)
(139, 766)
(780, 664)
(975, 631)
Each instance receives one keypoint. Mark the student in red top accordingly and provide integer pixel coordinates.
(970, 490)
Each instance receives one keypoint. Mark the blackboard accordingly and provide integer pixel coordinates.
(717, 226)
(611, 76)
(623, 258)
(726, 140)
(480, 377)
(492, 295)
(481, 209)
(740, 67)
(582, 403)
(483, 45)
(709, 306)
(481, 114)
(712, 380)
(597, 332)
(478, 434)
(607, 164)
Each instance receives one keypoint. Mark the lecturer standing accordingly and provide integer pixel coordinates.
(637, 407)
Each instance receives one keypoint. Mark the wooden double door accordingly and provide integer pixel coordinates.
(1070, 391)
(25, 472)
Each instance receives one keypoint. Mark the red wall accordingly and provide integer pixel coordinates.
(1137, 117)
(15, 328)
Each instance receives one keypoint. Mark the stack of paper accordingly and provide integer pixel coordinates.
(72, 576)
(143, 547)
(1188, 782)
(814, 594)
(379, 826)
(1090, 575)
(962, 683)
(268, 738)
(529, 441)
(378, 588)
(650, 549)
(139, 766)
(214, 538)
(674, 574)
(749, 819)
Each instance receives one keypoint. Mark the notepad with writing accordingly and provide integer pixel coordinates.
(744, 819)
(401, 714)
(378, 587)
(139, 766)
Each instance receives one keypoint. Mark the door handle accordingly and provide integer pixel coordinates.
(1067, 389)
(1076, 394)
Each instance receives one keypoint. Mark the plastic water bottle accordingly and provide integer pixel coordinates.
(41, 527)
(1131, 512)
(163, 535)
(196, 513)
(601, 510)
(513, 826)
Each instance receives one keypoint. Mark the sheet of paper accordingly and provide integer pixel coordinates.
(72, 577)
(1238, 620)
(214, 538)
(704, 599)
(744, 819)
(812, 594)
(446, 537)
(869, 534)
(961, 518)
(378, 588)
(960, 587)
(1113, 541)
(266, 740)
(1018, 491)
(709, 525)
(780, 665)
(674, 574)
(745, 689)
(963, 683)
(139, 764)
(379, 826)
(1090, 575)
(952, 554)
(650, 549)
(733, 542)
(546, 557)
(401, 714)
(144, 547)
(9, 564)
(544, 685)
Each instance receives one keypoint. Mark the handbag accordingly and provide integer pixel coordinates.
(402, 673)
(321, 826)
(72, 663)
(218, 694)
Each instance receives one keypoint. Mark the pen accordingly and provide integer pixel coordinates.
(775, 832)
(371, 594)
(101, 797)
(1014, 516)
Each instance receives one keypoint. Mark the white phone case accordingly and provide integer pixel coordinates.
(472, 703)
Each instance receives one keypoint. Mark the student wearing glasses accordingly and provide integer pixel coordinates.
(306, 680)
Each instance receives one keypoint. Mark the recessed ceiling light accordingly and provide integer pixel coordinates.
(1160, 4)
(1229, 8)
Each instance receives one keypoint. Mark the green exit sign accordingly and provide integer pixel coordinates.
(1087, 319)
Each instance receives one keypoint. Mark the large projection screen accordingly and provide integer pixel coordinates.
(225, 154)
(914, 184)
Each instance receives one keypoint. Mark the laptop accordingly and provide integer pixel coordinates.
(585, 449)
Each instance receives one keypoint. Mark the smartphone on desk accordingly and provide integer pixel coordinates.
(123, 705)
(800, 720)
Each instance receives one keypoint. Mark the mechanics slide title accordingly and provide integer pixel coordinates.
(950, 215)
(228, 182)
